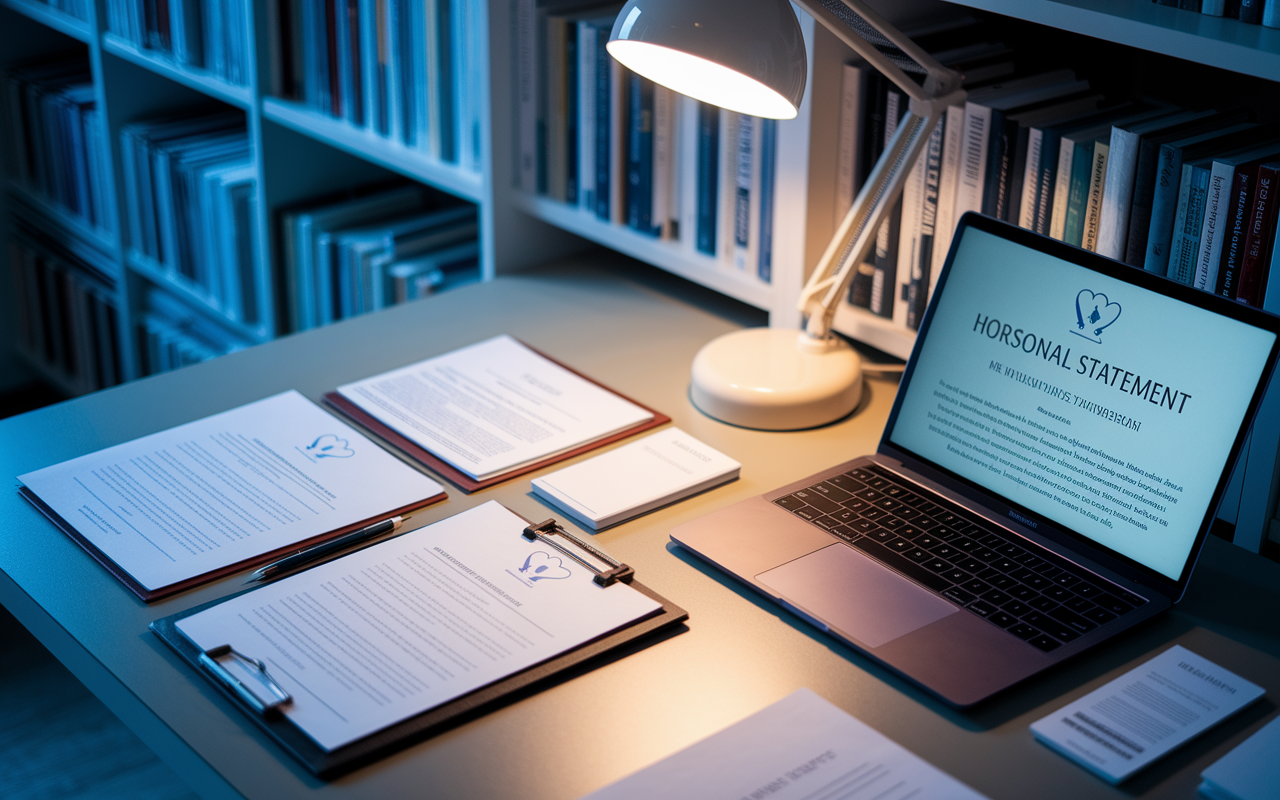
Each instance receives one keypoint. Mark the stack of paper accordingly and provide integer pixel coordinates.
(635, 479)
(1250, 771)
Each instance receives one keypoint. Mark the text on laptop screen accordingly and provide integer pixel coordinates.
(1105, 407)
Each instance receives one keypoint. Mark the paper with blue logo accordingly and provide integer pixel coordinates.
(225, 489)
(416, 621)
(1104, 406)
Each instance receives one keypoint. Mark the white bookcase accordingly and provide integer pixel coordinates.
(302, 154)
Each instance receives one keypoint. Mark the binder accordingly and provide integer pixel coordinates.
(263, 707)
(461, 479)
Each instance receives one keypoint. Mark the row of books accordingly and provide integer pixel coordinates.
(175, 335)
(56, 131)
(209, 35)
(76, 8)
(594, 135)
(66, 320)
(1256, 12)
(190, 189)
(371, 249)
(1182, 193)
(407, 70)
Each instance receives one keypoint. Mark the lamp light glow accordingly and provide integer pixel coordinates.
(702, 79)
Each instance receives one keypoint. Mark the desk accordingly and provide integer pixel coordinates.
(737, 654)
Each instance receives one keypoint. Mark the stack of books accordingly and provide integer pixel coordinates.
(175, 335)
(209, 35)
(373, 249)
(58, 153)
(190, 188)
(66, 317)
(407, 70)
(634, 154)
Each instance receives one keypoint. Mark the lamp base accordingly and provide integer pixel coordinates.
(776, 379)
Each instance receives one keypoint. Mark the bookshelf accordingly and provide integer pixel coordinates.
(301, 154)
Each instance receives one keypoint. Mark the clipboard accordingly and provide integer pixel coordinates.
(462, 480)
(263, 707)
(151, 595)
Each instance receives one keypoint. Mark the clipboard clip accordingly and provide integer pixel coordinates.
(208, 660)
(613, 572)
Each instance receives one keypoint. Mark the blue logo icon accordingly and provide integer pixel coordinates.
(330, 446)
(540, 566)
(1094, 314)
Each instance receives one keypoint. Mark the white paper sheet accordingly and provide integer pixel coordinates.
(493, 406)
(393, 630)
(799, 748)
(223, 489)
(1119, 728)
(636, 477)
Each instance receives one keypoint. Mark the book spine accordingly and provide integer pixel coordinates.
(742, 200)
(995, 192)
(1251, 11)
(441, 120)
(768, 170)
(524, 84)
(922, 279)
(1031, 180)
(571, 114)
(884, 285)
(847, 150)
(1062, 188)
(728, 191)
(909, 241)
(620, 102)
(1258, 238)
(1234, 233)
(1117, 200)
(1017, 175)
(686, 175)
(660, 169)
(973, 163)
(708, 176)
(587, 44)
(1271, 18)
(1213, 8)
(640, 154)
(605, 68)
(1165, 201)
(1097, 185)
(952, 140)
(1217, 192)
(1186, 247)
(1078, 193)
(1144, 185)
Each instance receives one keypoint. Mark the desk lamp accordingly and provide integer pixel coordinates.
(748, 56)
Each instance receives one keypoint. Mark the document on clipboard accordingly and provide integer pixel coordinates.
(491, 411)
(176, 508)
(432, 622)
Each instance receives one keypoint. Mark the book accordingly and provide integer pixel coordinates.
(490, 412)
(440, 623)
(1188, 222)
(1093, 204)
(1249, 771)
(203, 500)
(1218, 202)
(636, 478)
(708, 178)
(1260, 236)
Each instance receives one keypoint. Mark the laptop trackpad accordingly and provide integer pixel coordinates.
(854, 595)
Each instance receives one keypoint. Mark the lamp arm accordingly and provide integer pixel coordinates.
(856, 235)
(939, 80)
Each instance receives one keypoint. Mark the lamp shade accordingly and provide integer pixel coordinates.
(743, 55)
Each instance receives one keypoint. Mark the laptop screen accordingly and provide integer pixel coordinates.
(1106, 407)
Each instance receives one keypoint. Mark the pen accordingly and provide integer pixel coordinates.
(308, 555)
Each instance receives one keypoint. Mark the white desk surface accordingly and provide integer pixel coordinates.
(738, 652)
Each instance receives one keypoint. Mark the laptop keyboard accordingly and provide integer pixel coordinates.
(1026, 590)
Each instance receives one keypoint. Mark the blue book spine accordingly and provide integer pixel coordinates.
(768, 168)
(1048, 178)
(444, 74)
(604, 117)
(708, 176)
(640, 155)
(1164, 206)
(571, 124)
(1081, 167)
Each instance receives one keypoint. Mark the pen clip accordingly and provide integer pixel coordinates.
(209, 662)
(617, 571)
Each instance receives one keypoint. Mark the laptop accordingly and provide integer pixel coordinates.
(1061, 438)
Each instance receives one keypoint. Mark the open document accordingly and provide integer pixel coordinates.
(493, 407)
(799, 748)
(393, 630)
(224, 491)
